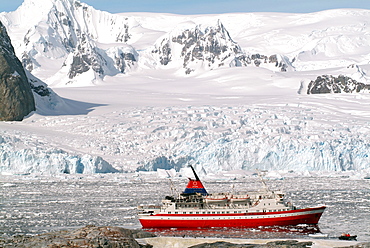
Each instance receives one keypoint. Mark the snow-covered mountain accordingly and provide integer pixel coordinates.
(61, 43)
(223, 92)
(71, 43)
(202, 48)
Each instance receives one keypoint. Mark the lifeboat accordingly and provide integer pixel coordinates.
(241, 199)
(215, 200)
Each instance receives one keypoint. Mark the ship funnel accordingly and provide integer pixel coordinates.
(195, 186)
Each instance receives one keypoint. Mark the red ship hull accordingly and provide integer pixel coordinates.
(244, 220)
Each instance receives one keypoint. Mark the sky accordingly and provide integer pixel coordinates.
(210, 6)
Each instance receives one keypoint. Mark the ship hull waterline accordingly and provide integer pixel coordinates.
(308, 216)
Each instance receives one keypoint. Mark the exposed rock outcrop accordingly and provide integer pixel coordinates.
(89, 236)
(341, 84)
(258, 59)
(16, 98)
(209, 47)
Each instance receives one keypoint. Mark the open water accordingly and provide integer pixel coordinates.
(35, 204)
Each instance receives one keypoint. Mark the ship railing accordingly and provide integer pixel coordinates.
(149, 207)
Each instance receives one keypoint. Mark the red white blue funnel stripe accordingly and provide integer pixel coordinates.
(195, 186)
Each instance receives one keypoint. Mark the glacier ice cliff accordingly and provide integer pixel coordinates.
(18, 158)
(213, 139)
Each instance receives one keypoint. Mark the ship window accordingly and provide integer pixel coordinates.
(190, 212)
(169, 212)
(197, 212)
(235, 212)
(176, 212)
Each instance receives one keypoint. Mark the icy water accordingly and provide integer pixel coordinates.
(36, 204)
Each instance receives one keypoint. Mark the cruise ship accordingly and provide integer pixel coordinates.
(196, 208)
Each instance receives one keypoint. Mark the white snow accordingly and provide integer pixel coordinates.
(179, 242)
(224, 119)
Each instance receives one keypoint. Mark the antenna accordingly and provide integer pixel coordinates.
(173, 188)
(262, 180)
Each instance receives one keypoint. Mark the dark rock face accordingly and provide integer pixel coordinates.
(16, 98)
(124, 60)
(89, 236)
(258, 59)
(341, 84)
(89, 57)
(86, 57)
(213, 47)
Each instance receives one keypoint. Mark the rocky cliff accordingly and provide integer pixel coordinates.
(331, 84)
(207, 47)
(16, 98)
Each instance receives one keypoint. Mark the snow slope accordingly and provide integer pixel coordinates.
(222, 116)
(71, 44)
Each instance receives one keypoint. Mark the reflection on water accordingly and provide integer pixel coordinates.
(273, 232)
(36, 204)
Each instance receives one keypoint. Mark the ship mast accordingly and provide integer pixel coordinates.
(266, 188)
(173, 188)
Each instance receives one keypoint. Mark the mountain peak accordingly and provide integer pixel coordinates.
(50, 2)
(43, 8)
(201, 45)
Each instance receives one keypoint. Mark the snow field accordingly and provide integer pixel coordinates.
(304, 136)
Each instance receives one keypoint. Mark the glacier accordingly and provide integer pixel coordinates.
(212, 139)
(36, 159)
(150, 91)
